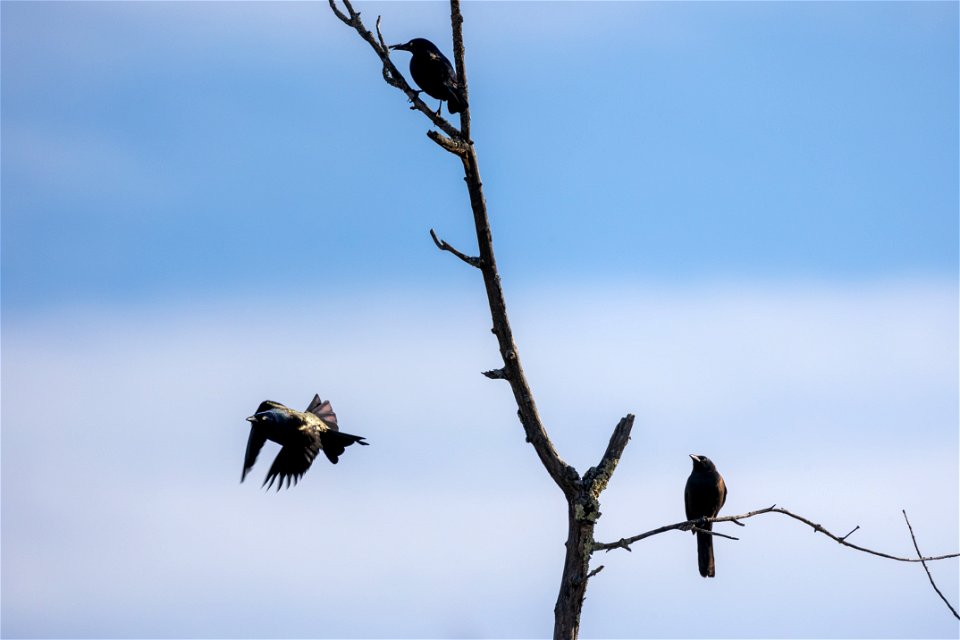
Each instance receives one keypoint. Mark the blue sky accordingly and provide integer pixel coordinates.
(738, 221)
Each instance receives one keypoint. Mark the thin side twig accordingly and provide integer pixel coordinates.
(388, 76)
(925, 568)
(850, 534)
(444, 246)
(711, 532)
(594, 572)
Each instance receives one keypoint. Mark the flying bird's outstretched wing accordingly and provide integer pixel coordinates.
(323, 410)
(254, 444)
(291, 463)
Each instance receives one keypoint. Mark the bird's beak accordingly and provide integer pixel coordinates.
(692, 457)
(400, 47)
(252, 419)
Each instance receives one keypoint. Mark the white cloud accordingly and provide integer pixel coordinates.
(123, 435)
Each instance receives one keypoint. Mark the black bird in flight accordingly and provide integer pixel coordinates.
(301, 434)
(434, 74)
(703, 497)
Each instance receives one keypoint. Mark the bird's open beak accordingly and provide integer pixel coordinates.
(401, 47)
(692, 457)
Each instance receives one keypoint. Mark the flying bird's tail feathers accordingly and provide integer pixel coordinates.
(334, 442)
(323, 410)
(705, 553)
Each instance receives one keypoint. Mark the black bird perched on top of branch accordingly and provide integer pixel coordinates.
(434, 74)
(703, 496)
(301, 434)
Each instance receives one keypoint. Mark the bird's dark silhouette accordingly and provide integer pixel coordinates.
(703, 497)
(434, 74)
(301, 435)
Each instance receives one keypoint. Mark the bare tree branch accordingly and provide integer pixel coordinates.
(456, 26)
(624, 543)
(852, 531)
(596, 478)
(391, 74)
(444, 246)
(711, 532)
(927, 569)
(449, 144)
(594, 572)
(343, 18)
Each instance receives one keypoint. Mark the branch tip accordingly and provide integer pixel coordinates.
(443, 245)
(849, 534)
(927, 569)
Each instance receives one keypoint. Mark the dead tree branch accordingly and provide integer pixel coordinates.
(444, 246)
(624, 543)
(391, 74)
(927, 569)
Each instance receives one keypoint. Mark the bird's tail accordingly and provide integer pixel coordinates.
(705, 552)
(334, 442)
(456, 102)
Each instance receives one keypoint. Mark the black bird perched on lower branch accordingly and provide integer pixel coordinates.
(703, 497)
(301, 434)
(434, 74)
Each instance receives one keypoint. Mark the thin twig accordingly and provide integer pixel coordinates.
(388, 76)
(850, 534)
(594, 572)
(687, 525)
(444, 246)
(925, 568)
(711, 532)
(343, 18)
